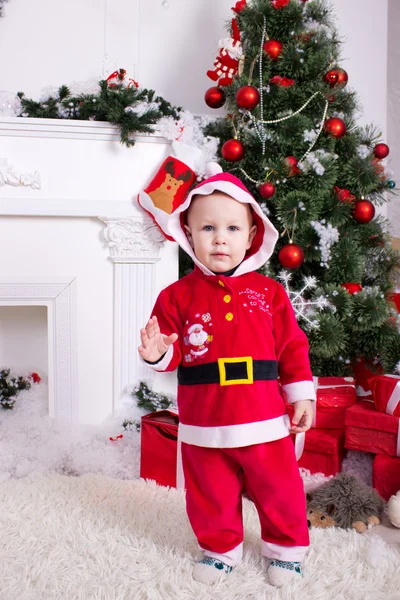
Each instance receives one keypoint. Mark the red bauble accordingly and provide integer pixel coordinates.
(381, 151)
(291, 256)
(363, 211)
(291, 162)
(273, 48)
(267, 189)
(335, 127)
(336, 77)
(351, 287)
(344, 195)
(233, 150)
(247, 97)
(214, 97)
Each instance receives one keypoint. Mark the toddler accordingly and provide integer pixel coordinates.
(231, 333)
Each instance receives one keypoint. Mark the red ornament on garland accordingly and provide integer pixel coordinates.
(36, 378)
(279, 3)
(336, 77)
(291, 256)
(267, 189)
(247, 97)
(344, 195)
(281, 81)
(239, 6)
(233, 150)
(214, 97)
(335, 127)
(351, 287)
(343, 77)
(381, 151)
(291, 163)
(273, 48)
(363, 211)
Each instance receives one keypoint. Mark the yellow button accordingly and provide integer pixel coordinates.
(221, 283)
(227, 298)
(229, 316)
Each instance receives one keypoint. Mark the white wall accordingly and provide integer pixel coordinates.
(23, 339)
(394, 109)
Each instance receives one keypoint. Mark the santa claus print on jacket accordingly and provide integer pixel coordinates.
(238, 339)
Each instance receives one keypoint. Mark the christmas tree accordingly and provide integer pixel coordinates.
(290, 134)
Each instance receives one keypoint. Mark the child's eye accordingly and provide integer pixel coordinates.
(233, 228)
(207, 228)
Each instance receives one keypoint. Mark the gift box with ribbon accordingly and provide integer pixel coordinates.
(160, 457)
(386, 393)
(321, 450)
(334, 396)
(386, 475)
(369, 430)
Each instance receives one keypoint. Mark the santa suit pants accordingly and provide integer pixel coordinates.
(215, 479)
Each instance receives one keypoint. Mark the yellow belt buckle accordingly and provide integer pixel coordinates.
(222, 370)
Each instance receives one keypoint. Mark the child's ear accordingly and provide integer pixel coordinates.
(189, 234)
(252, 234)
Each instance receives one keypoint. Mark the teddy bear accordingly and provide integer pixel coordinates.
(344, 501)
(393, 510)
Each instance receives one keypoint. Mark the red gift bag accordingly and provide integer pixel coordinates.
(386, 475)
(159, 447)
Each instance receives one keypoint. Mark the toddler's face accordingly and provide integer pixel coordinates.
(220, 230)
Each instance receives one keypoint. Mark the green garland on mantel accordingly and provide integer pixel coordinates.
(115, 104)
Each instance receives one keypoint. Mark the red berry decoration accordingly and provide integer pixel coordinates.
(273, 48)
(351, 287)
(214, 97)
(291, 162)
(291, 256)
(381, 151)
(363, 211)
(247, 97)
(233, 150)
(335, 127)
(267, 189)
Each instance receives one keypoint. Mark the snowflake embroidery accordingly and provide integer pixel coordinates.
(303, 308)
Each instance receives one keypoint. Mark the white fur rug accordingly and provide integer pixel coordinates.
(97, 538)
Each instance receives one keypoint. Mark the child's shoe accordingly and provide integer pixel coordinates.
(210, 570)
(281, 572)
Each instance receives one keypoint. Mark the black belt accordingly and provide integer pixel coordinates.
(229, 371)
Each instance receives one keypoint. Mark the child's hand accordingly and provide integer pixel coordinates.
(302, 418)
(154, 344)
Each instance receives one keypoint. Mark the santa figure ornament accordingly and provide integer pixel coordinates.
(226, 64)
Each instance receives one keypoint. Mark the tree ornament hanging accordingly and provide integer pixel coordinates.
(351, 287)
(336, 77)
(214, 97)
(291, 163)
(282, 81)
(344, 195)
(267, 190)
(391, 184)
(239, 6)
(247, 97)
(233, 150)
(226, 64)
(291, 256)
(273, 48)
(381, 151)
(279, 3)
(335, 127)
(363, 211)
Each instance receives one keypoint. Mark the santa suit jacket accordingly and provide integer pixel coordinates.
(221, 321)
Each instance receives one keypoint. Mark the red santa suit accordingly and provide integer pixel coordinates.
(236, 336)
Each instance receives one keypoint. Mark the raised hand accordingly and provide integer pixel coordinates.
(154, 344)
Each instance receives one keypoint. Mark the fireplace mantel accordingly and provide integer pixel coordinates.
(68, 208)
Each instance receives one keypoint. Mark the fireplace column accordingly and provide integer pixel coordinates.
(134, 244)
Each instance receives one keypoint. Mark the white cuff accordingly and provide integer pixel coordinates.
(299, 390)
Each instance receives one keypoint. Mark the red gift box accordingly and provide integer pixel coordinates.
(386, 393)
(323, 451)
(364, 371)
(386, 475)
(159, 447)
(334, 396)
(371, 431)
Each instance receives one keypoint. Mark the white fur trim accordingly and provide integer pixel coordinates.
(231, 558)
(164, 362)
(252, 263)
(235, 436)
(288, 553)
(299, 390)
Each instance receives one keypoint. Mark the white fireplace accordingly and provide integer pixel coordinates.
(73, 240)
